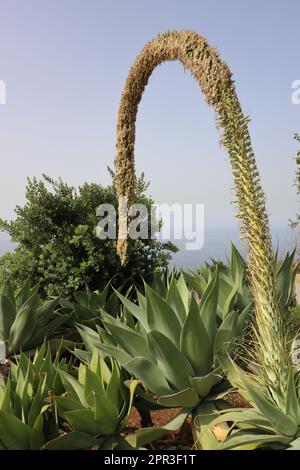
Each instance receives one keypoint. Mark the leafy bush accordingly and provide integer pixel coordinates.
(57, 243)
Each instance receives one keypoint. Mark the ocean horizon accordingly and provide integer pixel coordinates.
(217, 242)
(216, 245)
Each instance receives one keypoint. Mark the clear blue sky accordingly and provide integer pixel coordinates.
(65, 62)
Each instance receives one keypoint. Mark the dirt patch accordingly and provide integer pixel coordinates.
(181, 439)
(237, 401)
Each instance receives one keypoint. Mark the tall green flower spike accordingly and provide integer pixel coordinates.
(215, 81)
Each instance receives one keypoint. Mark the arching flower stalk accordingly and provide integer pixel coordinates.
(215, 81)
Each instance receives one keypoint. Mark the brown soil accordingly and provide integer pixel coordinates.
(237, 401)
(182, 439)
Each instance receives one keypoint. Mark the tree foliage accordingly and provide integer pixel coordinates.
(57, 243)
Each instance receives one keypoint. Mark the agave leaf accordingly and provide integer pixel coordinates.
(208, 307)
(285, 278)
(23, 325)
(185, 398)
(141, 300)
(235, 375)
(161, 317)
(82, 298)
(89, 337)
(146, 435)
(23, 295)
(7, 316)
(106, 415)
(195, 343)
(227, 332)
(82, 420)
(230, 301)
(118, 443)
(37, 402)
(295, 445)
(46, 331)
(174, 300)
(150, 374)
(93, 386)
(130, 341)
(14, 434)
(83, 313)
(196, 282)
(237, 264)
(281, 422)
(66, 304)
(243, 418)
(83, 356)
(136, 311)
(293, 405)
(65, 403)
(96, 301)
(243, 318)
(8, 291)
(204, 438)
(37, 435)
(132, 387)
(243, 439)
(45, 311)
(203, 385)
(74, 389)
(21, 397)
(184, 292)
(117, 353)
(5, 391)
(72, 441)
(170, 360)
(112, 389)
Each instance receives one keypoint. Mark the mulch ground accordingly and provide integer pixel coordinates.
(182, 439)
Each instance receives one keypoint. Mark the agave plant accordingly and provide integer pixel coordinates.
(87, 305)
(171, 343)
(25, 320)
(234, 278)
(233, 281)
(26, 418)
(274, 420)
(264, 426)
(96, 406)
(286, 271)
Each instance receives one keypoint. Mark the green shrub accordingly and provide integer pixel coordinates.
(57, 243)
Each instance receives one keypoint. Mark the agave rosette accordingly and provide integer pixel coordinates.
(171, 342)
(96, 405)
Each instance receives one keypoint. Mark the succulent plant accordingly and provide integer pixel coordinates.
(26, 409)
(25, 320)
(96, 405)
(171, 343)
(87, 305)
